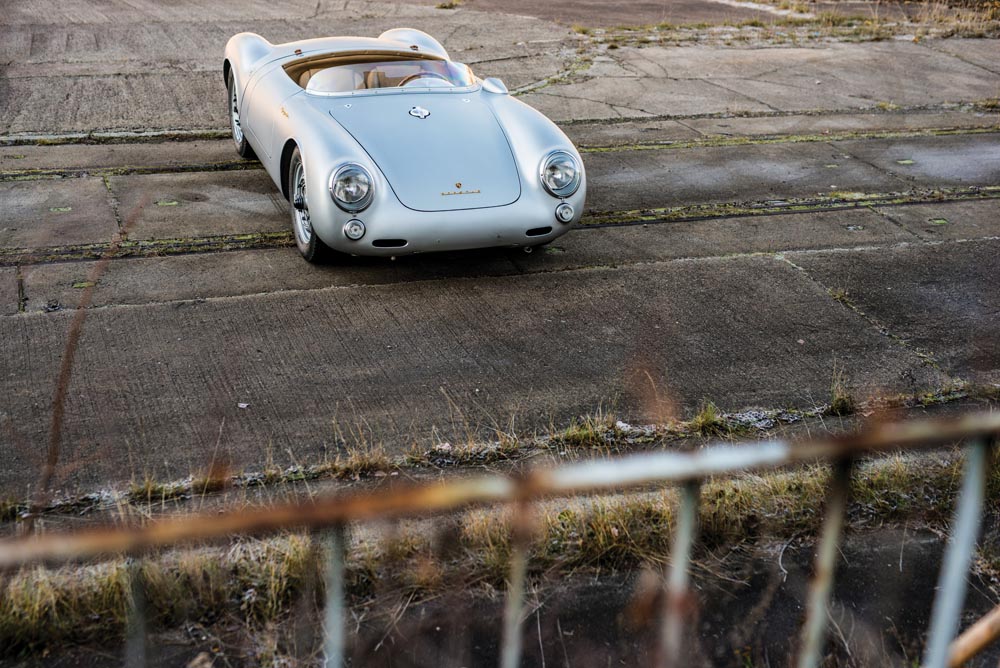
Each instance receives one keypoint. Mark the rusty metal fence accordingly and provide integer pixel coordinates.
(978, 434)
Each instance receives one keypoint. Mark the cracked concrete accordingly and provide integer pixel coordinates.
(52, 213)
(353, 364)
(9, 291)
(81, 68)
(200, 204)
(679, 81)
(941, 299)
(398, 352)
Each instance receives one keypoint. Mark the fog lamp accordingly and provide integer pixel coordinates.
(564, 213)
(354, 229)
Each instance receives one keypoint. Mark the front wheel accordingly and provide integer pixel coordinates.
(242, 145)
(310, 245)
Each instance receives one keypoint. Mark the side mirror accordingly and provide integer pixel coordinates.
(494, 85)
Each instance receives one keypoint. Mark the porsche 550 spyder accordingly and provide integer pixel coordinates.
(387, 147)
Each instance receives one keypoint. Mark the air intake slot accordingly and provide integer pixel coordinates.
(389, 243)
(538, 231)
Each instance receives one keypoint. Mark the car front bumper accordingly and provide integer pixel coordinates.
(396, 230)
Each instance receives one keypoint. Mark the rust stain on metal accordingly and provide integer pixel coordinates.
(586, 477)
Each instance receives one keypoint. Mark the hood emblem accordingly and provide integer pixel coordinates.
(458, 191)
(419, 112)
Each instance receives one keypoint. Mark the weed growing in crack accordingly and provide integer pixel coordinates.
(841, 401)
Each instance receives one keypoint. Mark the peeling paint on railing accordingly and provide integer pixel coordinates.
(330, 515)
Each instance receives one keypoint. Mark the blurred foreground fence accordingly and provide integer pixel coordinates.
(978, 434)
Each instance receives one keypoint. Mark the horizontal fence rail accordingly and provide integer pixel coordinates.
(331, 514)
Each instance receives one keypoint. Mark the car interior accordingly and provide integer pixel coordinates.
(343, 73)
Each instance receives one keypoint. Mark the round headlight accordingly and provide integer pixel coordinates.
(351, 188)
(560, 174)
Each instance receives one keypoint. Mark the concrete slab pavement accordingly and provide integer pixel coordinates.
(397, 362)
(55, 212)
(933, 160)
(168, 206)
(375, 351)
(188, 205)
(984, 53)
(942, 299)
(156, 279)
(727, 174)
(201, 275)
(949, 220)
(813, 124)
(595, 13)
(9, 292)
(164, 155)
(664, 81)
(620, 132)
(81, 67)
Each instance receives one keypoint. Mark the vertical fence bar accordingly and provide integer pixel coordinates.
(952, 580)
(510, 653)
(135, 628)
(675, 601)
(814, 629)
(333, 610)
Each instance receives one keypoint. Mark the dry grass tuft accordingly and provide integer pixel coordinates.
(590, 431)
(708, 421)
(841, 400)
(362, 461)
(257, 581)
(151, 491)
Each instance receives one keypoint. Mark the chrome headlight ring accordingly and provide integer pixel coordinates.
(352, 187)
(560, 173)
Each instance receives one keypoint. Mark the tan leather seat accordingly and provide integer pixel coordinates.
(332, 80)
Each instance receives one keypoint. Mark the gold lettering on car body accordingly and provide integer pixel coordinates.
(284, 113)
(460, 192)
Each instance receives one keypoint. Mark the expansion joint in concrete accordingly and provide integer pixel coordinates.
(844, 299)
(40, 174)
(814, 204)
(115, 206)
(22, 295)
(766, 139)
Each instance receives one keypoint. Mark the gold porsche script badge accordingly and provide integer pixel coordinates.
(458, 191)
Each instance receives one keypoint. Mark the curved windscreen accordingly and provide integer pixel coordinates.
(421, 73)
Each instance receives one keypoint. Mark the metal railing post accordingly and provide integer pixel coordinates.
(952, 580)
(510, 655)
(333, 610)
(675, 601)
(814, 629)
(135, 626)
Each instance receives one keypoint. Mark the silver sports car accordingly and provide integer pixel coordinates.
(387, 147)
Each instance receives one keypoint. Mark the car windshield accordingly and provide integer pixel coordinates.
(420, 73)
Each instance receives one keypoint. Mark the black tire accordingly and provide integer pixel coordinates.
(310, 246)
(239, 137)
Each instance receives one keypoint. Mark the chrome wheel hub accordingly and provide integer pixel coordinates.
(303, 228)
(234, 116)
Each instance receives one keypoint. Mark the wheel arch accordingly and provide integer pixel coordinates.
(285, 163)
(225, 71)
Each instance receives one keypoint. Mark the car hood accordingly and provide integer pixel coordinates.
(456, 157)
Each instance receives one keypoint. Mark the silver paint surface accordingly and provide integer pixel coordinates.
(463, 176)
